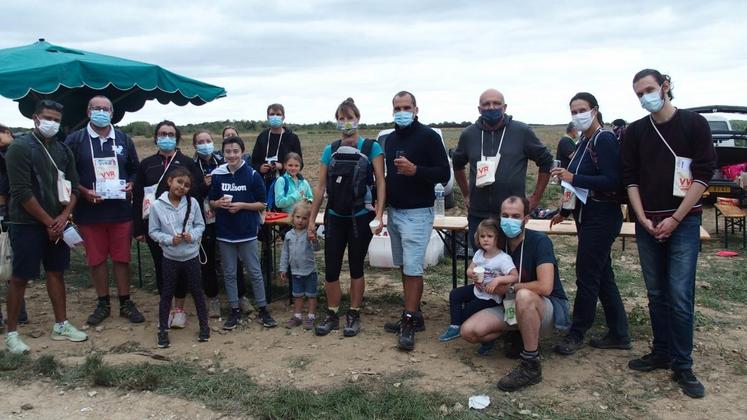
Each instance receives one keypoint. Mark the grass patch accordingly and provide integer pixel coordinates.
(299, 362)
(11, 362)
(127, 347)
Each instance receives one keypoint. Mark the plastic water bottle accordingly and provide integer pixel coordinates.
(439, 208)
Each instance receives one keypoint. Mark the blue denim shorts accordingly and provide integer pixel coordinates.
(305, 285)
(410, 232)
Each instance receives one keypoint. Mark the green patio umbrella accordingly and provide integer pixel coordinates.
(72, 77)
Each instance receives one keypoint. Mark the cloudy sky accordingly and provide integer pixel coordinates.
(310, 55)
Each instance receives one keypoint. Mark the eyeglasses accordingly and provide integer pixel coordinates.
(162, 134)
(100, 108)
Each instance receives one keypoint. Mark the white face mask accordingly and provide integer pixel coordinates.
(583, 120)
(48, 128)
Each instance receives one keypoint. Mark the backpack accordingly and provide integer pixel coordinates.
(349, 178)
(271, 193)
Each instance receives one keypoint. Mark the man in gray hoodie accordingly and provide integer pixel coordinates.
(511, 143)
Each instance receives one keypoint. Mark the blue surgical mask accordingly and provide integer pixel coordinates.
(652, 102)
(492, 116)
(403, 118)
(166, 144)
(101, 118)
(275, 121)
(205, 149)
(511, 227)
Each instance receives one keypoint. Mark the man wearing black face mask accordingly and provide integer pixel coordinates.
(509, 144)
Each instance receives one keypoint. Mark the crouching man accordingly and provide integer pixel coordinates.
(539, 299)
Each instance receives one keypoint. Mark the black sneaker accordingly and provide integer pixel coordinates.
(569, 344)
(394, 327)
(129, 310)
(529, 372)
(163, 339)
(406, 339)
(649, 362)
(610, 341)
(265, 319)
(690, 385)
(512, 344)
(102, 311)
(233, 319)
(331, 322)
(204, 334)
(352, 324)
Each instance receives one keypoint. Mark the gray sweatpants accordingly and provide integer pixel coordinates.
(249, 253)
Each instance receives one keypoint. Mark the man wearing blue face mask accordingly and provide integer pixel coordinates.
(273, 144)
(415, 162)
(106, 161)
(504, 146)
(668, 160)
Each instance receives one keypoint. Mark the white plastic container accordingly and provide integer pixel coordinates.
(380, 250)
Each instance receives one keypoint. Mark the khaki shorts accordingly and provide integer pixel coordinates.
(548, 321)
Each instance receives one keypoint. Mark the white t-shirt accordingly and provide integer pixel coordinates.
(500, 265)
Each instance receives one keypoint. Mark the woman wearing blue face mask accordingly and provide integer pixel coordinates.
(150, 182)
(594, 168)
(273, 144)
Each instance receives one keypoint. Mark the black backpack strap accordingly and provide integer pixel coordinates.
(367, 147)
(335, 145)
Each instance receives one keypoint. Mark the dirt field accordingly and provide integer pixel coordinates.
(593, 383)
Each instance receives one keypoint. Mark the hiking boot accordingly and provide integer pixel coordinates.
(452, 332)
(394, 327)
(245, 305)
(233, 319)
(15, 345)
(352, 324)
(129, 310)
(204, 335)
(610, 341)
(265, 318)
(512, 344)
(67, 332)
(163, 339)
(649, 362)
(406, 339)
(178, 319)
(293, 322)
(102, 311)
(308, 323)
(690, 385)
(331, 322)
(569, 344)
(214, 307)
(528, 372)
(485, 348)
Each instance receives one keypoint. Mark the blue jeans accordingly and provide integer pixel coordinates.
(230, 253)
(410, 232)
(669, 272)
(598, 223)
(305, 285)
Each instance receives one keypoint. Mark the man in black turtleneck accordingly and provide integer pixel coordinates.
(416, 161)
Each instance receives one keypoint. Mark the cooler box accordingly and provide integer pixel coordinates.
(380, 250)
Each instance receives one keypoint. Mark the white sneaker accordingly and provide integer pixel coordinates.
(179, 319)
(214, 307)
(15, 345)
(68, 332)
(246, 306)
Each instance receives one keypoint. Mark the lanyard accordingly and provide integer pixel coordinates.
(90, 143)
(521, 256)
(280, 140)
(165, 170)
(588, 142)
(199, 161)
(482, 143)
(47, 151)
(661, 137)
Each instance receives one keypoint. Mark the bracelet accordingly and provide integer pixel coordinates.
(675, 219)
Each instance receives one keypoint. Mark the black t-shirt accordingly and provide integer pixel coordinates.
(566, 147)
(538, 250)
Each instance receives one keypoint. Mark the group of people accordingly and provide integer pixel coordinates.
(186, 208)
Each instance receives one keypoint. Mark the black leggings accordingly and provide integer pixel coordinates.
(339, 234)
(210, 281)
(463, 304)
(172, 270)
(157, 253)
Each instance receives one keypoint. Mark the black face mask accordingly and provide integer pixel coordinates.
(492, 116)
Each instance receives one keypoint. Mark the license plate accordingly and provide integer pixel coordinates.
(719, 189)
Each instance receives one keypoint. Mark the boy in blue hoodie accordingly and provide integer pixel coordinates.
(237, 193)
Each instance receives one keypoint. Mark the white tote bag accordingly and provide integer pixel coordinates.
(487, 166)
(6, 257)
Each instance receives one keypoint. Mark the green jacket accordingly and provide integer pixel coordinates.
(31, 174)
